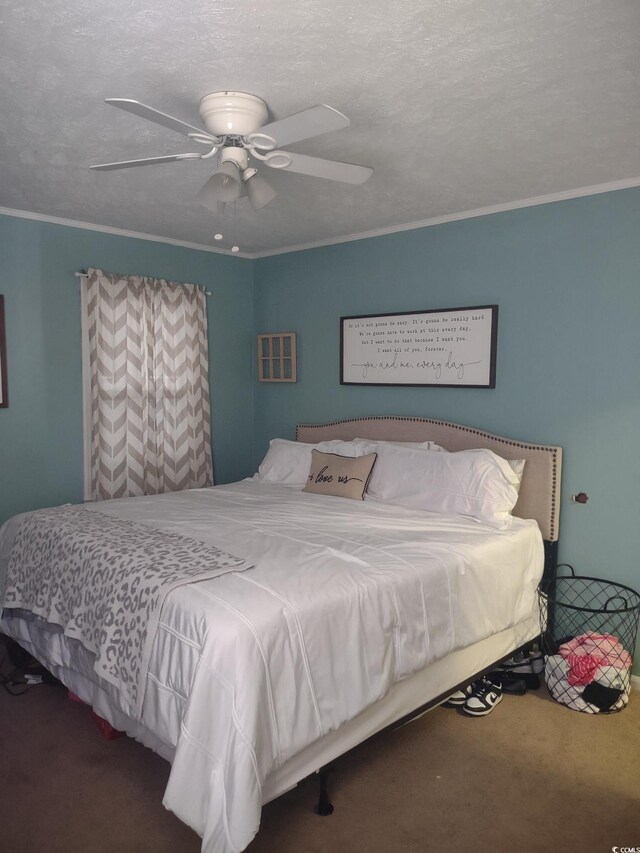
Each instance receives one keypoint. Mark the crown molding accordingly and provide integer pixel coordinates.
(118, 232)
(564, 195)
(550, 198)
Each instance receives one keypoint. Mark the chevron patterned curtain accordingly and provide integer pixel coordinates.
(145, 362)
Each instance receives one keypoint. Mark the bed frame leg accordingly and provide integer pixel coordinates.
(323, 807)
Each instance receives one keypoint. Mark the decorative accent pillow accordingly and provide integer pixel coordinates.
(341, 476)
(477, 483)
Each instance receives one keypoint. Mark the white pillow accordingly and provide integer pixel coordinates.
(475, 483)
(357, 447)
(517, 466)
(286, 462)
(415, 445)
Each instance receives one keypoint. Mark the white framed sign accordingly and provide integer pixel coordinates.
(453, 348)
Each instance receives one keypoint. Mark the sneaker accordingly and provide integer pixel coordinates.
(510, 683)
(525, 667)
(457, 699)
(521, 663)
(484, 698)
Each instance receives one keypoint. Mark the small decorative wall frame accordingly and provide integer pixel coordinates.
(452, 348)
(4, 392)
(277, 357)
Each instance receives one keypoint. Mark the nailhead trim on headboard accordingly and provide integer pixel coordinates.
(554, 451)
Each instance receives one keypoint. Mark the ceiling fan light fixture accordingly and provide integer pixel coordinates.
(224, 185)
(259, 191)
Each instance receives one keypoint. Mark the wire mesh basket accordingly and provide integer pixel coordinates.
(589, 630)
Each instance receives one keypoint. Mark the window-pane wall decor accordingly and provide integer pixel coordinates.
(277, 357)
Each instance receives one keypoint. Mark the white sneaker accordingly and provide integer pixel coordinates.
(457, 699)
(484, 698)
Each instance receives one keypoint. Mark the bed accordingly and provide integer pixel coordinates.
(344, 618)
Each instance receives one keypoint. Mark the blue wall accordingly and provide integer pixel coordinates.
(567, 279)
(565, 275)
(41, 432)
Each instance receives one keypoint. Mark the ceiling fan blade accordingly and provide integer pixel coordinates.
(332, 170)
(303, 125)
(156, 116)
(146, 161)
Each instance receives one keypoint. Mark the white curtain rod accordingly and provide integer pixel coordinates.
(201, 286)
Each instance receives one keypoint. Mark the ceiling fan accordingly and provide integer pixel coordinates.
(236, 130)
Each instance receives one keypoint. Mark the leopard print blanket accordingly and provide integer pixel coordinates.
(104, 581)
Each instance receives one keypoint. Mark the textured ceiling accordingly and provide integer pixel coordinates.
(457, 104)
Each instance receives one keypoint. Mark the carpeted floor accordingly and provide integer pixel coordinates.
(532, 777)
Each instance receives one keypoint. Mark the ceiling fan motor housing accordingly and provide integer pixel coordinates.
(232, 113)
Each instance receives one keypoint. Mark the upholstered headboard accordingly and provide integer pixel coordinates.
(539, 496)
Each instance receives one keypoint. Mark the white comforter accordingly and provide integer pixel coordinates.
(345, 599)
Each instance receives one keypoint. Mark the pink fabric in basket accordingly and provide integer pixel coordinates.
(588, 652)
